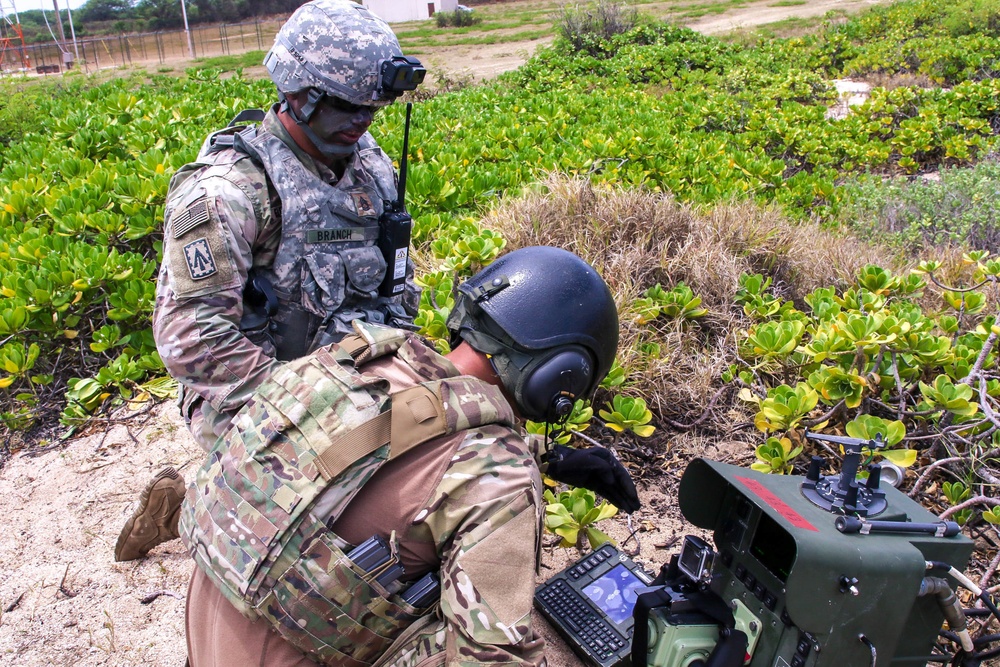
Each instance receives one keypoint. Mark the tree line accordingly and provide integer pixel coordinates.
(102, 17)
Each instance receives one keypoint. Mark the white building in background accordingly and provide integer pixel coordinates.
(396, 11)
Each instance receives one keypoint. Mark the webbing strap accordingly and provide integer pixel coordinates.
(248, 115)
(356, 346)
(416, 415)
(341, 452)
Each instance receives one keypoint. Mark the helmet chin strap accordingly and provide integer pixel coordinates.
(327, 148)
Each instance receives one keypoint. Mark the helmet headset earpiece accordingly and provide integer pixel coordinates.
(544, 363)
(547, 388)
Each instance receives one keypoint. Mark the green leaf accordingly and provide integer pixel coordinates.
(904, 458)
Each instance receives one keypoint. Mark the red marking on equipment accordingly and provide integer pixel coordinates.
(777, 504)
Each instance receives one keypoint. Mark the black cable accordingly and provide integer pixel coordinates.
(987, 654)
(976, 612)
(988, 601)
(867, 642)
(949, 635)
(986, 639)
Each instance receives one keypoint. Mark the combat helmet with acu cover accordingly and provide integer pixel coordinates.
(336, 47)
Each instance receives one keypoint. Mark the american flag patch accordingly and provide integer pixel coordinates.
(191, 217)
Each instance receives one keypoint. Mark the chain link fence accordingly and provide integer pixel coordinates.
(152, 48)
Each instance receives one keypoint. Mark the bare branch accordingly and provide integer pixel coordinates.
(978, 500)
(899, 388)
(704, 415)
(956, 289)
(824, 417)
(155, 594)
(977, 367)
(928, 471)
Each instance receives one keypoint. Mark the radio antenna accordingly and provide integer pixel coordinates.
(401, 201)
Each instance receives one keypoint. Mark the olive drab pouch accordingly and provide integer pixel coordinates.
(256, 519)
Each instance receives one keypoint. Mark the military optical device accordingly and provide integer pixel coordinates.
(814, 571)
(400, 74)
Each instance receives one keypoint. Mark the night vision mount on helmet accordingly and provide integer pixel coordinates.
(549, 323)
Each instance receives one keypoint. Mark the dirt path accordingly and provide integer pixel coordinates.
(63, 599)
(762, 13)
(488, 60)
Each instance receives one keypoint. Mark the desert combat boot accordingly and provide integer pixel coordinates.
(155, 520)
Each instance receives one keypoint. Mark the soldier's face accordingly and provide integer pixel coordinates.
(341, 122)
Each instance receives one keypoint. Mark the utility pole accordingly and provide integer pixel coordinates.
(62, 34)
(72, 31)
(187, 30)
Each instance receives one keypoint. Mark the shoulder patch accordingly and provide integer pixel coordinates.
(200, 260)
(193, 215)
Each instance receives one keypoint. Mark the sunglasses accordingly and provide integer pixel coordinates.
(346, 107)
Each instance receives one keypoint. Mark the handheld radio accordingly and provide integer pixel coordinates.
(395, 226)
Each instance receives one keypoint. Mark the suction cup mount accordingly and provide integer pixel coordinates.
(842, 494)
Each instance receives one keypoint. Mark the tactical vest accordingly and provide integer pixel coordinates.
(256, 519)
(328, 266)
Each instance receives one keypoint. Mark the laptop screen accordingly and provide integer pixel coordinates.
(614, 592)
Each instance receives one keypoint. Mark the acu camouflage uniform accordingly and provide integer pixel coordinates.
(480, 517)
(265, 205)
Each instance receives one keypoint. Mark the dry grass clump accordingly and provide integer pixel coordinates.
(891, 80)
(638, 238)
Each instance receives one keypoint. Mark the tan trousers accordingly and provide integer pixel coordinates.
(220, 636)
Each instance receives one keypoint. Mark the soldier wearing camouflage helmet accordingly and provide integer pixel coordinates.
(271, 236)
(439, 472)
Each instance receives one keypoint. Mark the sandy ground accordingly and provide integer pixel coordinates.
(63, 599)
(483, 61)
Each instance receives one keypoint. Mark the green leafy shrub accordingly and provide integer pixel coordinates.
(460, 18)
(628, 413)
(587, 29)
(81, 204)
(775, 456)
(956, 493)
(646, 106)
(960, 208)
(562, 433)
(572, 514)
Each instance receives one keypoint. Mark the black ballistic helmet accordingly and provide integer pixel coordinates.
(548, 322)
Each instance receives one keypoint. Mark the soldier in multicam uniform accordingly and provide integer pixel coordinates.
(270, 237)
(533, 332)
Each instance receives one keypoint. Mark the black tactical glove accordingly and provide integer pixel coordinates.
(596, 469)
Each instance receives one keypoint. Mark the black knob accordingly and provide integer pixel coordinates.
(814, 466)
(848, 524)
(851, 498)
(874, 477)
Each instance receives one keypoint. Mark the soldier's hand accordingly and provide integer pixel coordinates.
(597, 469)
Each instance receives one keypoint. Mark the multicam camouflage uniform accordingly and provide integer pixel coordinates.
(477, 520)
(291, 220)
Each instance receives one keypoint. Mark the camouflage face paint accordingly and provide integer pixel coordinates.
(334, 117)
